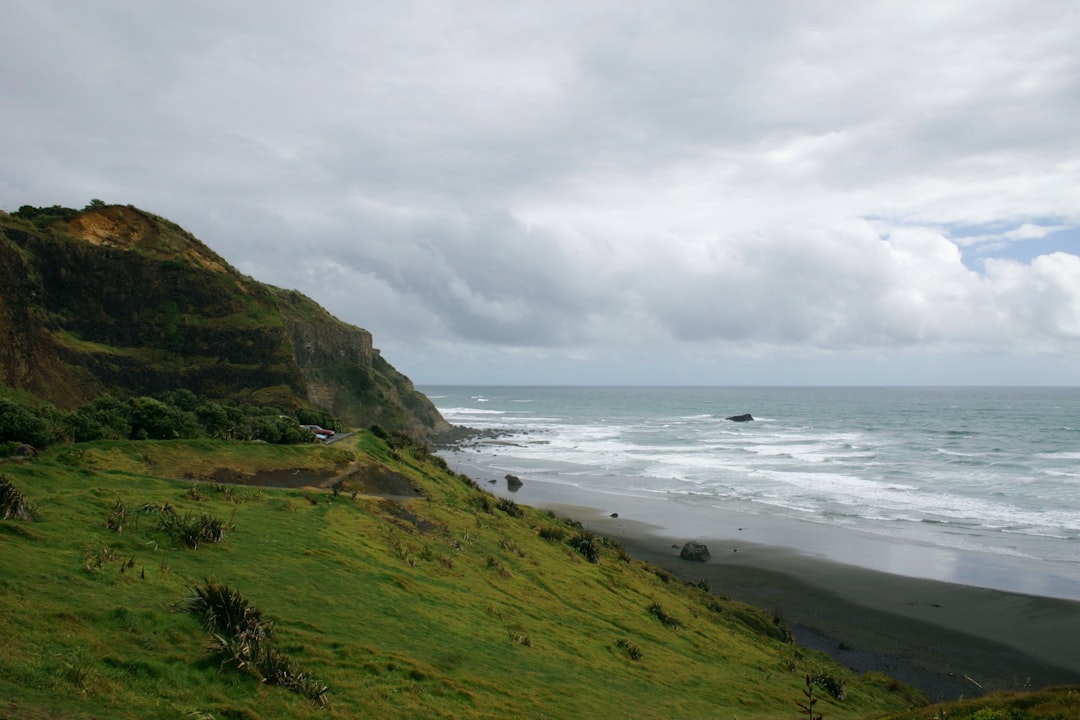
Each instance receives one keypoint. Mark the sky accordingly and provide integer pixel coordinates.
(631, 192)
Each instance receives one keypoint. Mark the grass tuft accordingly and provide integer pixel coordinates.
(191, 530)
(509, 507)
(554, 533)
(242, 639)
(586, 545)
(657, 610)
(631, 650)
(13, 505)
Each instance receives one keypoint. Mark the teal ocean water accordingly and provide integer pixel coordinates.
(989, 470)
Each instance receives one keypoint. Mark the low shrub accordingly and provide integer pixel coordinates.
(509, 507)
(13, 505)
(631, 650)
(483, 502)
(117, 515)
(830, 684)
(242, 639)
(585, 544)
(552, 533)
(191, 530)
(657, 611)
(519, 636)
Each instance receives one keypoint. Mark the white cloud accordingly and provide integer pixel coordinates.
(578, 183)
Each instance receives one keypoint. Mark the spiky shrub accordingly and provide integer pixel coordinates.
(483, 502)
(191, 530)
(657, 611)
(509, 507)
(518, 636)
(117, 515)
(585, 544)
(239, 629)
(616, 547)
(242, 638)
(631, 649)
(13, 505)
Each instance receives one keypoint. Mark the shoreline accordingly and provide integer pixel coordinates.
(946, 638)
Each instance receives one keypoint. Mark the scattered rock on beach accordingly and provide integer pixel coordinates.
(695, 551)
(614, 515)
(745, 417)
(513, 482)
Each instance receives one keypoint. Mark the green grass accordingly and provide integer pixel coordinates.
(445, 607)
(1056, 703)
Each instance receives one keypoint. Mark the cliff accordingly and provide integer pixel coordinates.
(113, 299)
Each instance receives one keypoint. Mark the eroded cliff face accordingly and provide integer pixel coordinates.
(18, 339)
(127, 228)
(118, 300)
(345, 374)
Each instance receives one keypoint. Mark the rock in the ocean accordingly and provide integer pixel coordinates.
(746, 417)
(695, 551)
(513, 482)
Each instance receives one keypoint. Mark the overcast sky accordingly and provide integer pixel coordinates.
(588, 192)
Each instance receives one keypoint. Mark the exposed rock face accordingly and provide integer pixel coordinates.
(320, 345)
(740, 418)
(695, 552)
(18, 338)
(113, 299)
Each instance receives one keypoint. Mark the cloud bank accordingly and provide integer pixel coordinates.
(779, 192)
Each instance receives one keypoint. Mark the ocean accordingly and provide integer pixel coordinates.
(988, 473)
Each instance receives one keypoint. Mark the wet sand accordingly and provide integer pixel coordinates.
(949, 639)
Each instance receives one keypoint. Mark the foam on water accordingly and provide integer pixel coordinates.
(991, 469)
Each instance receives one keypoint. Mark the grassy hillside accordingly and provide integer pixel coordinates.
(449, 604)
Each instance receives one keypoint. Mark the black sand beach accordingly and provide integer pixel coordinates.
(948, 639)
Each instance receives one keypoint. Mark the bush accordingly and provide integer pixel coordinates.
(239, 629)
(631, 649)
(112, 415)
(20, 424)
(190, 530)
(483, 502)
(154, 420)
(830, 684)
(657, 611)
(13, 505)
(243, 639)
(509, 507)
(553, 533)
(585, 544)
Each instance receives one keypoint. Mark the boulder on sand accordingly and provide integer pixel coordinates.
(695, 551)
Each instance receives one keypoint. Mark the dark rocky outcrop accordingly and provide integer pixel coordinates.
(695, 552)
(513, 483)
(747, 417)
(116, 300)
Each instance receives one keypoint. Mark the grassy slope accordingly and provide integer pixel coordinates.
(440, 608)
